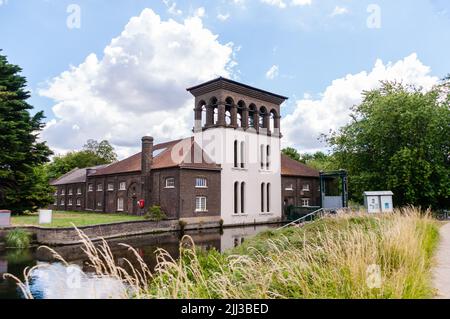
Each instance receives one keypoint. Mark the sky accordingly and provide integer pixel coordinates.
(118, 70)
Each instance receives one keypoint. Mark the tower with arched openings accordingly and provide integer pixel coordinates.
(238, 126)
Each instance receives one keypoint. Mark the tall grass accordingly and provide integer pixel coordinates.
(18, 238)
(331, 258)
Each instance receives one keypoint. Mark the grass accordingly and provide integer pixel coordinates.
(336, 257)
(18, 238)
(80, 219)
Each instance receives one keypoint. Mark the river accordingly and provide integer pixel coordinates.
(52, 280)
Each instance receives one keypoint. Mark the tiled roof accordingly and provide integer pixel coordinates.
(163, 157)
(77, 175)
(290, 167)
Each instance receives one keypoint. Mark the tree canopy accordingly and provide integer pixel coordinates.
(21, 154)
(399, 140)
(93, 154)
(318, 160)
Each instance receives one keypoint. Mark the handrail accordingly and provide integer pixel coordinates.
(302, 219)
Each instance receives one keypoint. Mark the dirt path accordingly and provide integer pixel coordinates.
(441, 272)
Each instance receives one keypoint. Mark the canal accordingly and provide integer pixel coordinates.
(56, 281)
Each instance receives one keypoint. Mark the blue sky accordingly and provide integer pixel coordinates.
(305, 44)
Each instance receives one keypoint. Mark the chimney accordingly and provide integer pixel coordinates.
(147, 155)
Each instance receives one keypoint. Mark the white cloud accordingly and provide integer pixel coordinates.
(138, 86)
(311, 117)
(172, 7)
(223, 17)
(273, 72)
(339, 11)
(301, 2)
(281, 4)
(3, 2)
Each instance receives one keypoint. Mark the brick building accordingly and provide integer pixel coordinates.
(231, 168)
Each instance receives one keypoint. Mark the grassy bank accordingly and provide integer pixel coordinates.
(337, 257)
(80, 219)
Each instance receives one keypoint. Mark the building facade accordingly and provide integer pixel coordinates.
(230, 169)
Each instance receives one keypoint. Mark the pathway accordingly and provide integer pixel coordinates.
(441, 272)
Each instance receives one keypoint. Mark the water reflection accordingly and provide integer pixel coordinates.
(55, 280)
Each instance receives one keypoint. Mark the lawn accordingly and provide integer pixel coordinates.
(79, 219)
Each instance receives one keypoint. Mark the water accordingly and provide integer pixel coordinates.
(54, 280)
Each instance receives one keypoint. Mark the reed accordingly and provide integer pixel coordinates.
(349, 256)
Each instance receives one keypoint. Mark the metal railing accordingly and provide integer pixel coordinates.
(318, 213)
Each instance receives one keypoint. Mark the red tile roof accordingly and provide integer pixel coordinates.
(290, 167)
(163, 157)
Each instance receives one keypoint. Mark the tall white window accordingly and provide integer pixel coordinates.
(79, 191)
(63, 202)
(110, 187)
(63, 192)
(70, 191)
(236, 198)
(170, 182)
(242, 198)
(235, 153)
(200, 204)
(123, 186)
(262, 156)
(263, 190)
(242, 154)
(120, 204)
(55, 202)
(69, 202)
(90, 188)
(99, 187)
(78, 202)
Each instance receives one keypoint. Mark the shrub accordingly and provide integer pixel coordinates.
(18, 238)
(155, 213)
(182, 225)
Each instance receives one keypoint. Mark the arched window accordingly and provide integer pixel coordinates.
(268, 197)
(263, 189)
(236, 164)
(268, 158)
(261, 154)
(252, 114)
(200, 114)
(262, 117)
(229, 112)
(242, 154)
(240, 114)
(236, 198)
(242, 198)
(214, 108)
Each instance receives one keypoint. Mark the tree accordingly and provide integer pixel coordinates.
(103, 150)
(399, 140)
(20, 151)
(93, 154)
(292, 153)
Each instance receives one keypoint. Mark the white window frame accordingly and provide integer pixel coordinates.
(120, 204)
(78, 202)
(69, 202)
(90, 187)
(110, 187)
(55, 203)
(70, 191)
(63, 192)
(79, 191)
(122, 186)
(290, 188)
(99, 204)
(201, 204)
(172, 179)
(201, 182)
(62, 202)
(99, 187)
(306, 188)
(307, 201)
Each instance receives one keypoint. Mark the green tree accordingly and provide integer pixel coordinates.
(93, 154)
(20, 151)
(102, 150)
(292, 153)
(399, 140)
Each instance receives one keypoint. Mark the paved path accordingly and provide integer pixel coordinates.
(441, 272)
